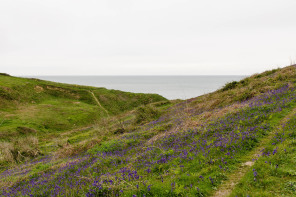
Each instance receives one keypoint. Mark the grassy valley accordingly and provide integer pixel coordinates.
(51, 115)
(68, 140)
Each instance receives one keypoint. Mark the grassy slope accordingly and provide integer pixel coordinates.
(189, 151)
(59, 112)
(273, 173)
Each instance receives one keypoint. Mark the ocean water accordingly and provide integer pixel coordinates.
(171, 87)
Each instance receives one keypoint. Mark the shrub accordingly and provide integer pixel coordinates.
(146, 113)
(245, 96)
(245, 82)
(280, 78)
(119, 131)
(4, 74)
(258, 76)
(230, 85)
(6, 94)
(270, 72)
(161, 103)
(266, 73)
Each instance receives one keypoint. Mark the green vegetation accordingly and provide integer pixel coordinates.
(230, 85)
(51, 111)
(146, 113)
(274, 173)
(85, 141)
(247, 88)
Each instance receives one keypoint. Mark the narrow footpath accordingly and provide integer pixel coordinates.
(99, 104)
(226, 187)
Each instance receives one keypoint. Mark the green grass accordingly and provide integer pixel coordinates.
(68, 122)
(276, 174)
(51, 109)
(245, 89)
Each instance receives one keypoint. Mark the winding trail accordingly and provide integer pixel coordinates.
(99, 104)
(227, 186)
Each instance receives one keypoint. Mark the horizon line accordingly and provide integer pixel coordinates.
(125, 75)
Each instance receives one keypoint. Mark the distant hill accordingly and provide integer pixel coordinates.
(46, 105)
(46, 109)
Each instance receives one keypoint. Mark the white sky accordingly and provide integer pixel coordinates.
(146, 37)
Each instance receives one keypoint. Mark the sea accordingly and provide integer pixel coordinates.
(171, 87)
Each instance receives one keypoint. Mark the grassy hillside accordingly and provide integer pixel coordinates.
(52, 114)
(236, 141)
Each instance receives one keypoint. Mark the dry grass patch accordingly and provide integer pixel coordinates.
(208, 116)
(20, 149)
(67, 149)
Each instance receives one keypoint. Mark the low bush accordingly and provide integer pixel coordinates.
(245, 82)
(244, 96)
(230, 85)
(4, 74)
(146, 113)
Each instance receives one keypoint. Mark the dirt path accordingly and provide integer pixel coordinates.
(90, 126)
(99, 104)
(226, 187)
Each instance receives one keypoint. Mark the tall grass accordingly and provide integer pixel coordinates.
(19, 150)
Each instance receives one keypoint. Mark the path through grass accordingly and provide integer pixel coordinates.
(99, 104)
(226, 188)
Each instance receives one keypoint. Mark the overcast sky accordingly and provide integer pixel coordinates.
(146, 37)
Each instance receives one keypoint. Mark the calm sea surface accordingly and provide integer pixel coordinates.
(171, 87)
